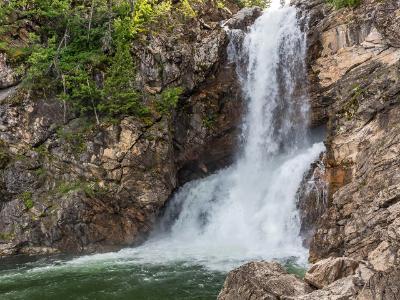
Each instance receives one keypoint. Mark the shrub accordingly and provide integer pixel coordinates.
(120, 96)
(251, 3)
(168, 100)
(27, 199)
(344, 3)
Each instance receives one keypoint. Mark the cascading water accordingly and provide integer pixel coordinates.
(246, 211)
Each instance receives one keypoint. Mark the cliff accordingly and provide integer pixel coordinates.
(71, 184)
(350, 214)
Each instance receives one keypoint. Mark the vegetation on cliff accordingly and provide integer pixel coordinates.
(344, 3)
(81, 51)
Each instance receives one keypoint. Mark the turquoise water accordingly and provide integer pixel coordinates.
(57, 279)
(91, 277)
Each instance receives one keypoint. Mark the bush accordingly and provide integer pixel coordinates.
(80, 51)
(27, 200)
(168, 100)
(251, 3)
(344, 3)
(120, 96)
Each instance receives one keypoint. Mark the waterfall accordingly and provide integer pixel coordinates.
(244, 212)
(248, 210)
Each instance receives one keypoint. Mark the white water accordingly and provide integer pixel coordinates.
(247, 211)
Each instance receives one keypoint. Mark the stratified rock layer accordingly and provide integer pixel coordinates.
(357, 70)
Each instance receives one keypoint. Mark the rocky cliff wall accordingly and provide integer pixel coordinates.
(354, 74)
(67, 185)
(355, 59)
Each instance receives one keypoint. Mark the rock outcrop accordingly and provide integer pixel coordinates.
(71, 186)
(312, 199)
(330, 279)
(262, 280)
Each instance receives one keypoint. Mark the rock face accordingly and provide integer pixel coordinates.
(68, 185)
(312, 199)
(357, 69)
(354, 74)
(262, 280)
(382, 285)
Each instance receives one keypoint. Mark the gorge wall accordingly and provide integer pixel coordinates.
(354, 75)
(67, 185)
(357, 70)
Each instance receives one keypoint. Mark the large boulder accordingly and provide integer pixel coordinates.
(326, 271)
(262, 280)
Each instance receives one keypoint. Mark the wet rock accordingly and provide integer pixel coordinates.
(262, 280)
(354, 69)
(312, 199)
(343, 289)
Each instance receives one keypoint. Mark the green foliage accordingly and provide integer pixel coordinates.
(344, 3)
(209, 121)
(6, 236)
(74, 139)
(27, 199)
(120, 96)
(91, 189)
(39, 62)
(40, 172)
(168, 100)
(350, 107)
(81, 51)
(187, 9)
(251, 3)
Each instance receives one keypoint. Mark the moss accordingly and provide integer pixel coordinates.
(27, 200)
(90, 188)
(6, 236)
(75, 139)
(40, 172)
(42, 150)
(350, 107)
(4, 158)
(209, 121)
